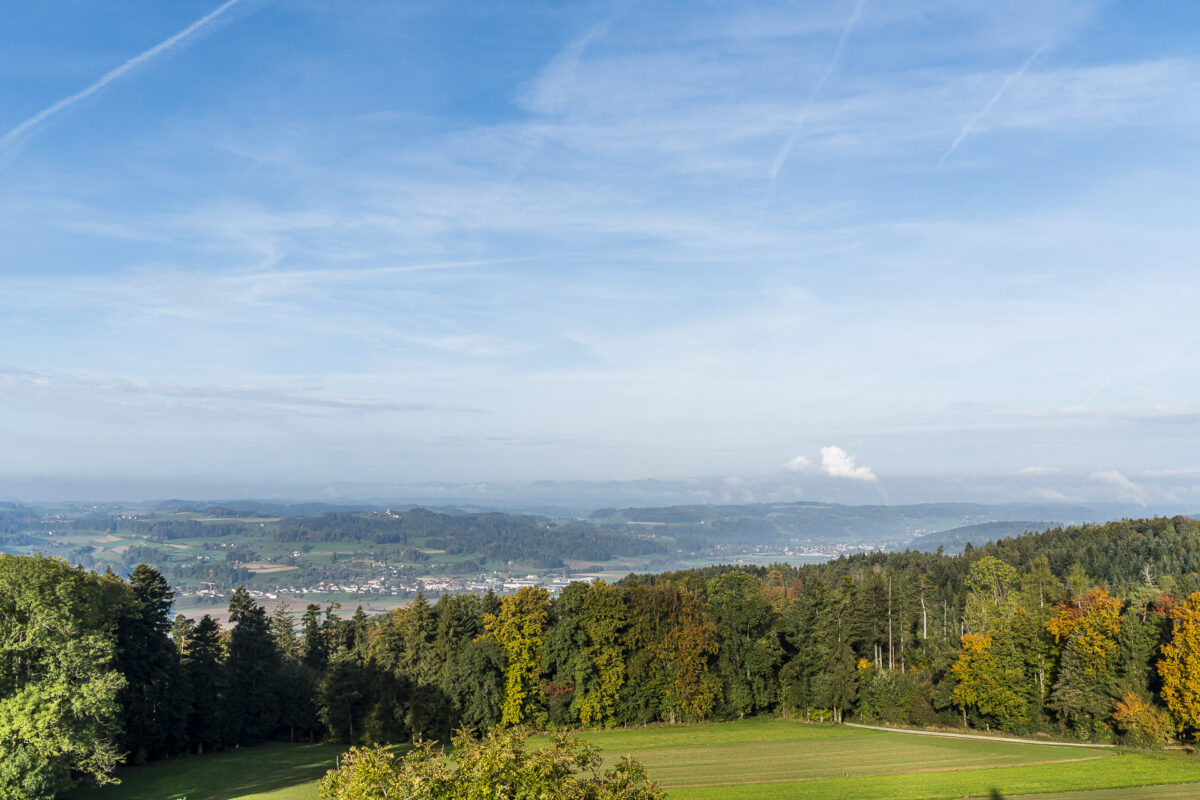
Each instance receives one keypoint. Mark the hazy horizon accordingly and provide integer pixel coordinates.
(861, 249)
(577, 498)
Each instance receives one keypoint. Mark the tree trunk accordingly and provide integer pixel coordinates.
(891, 646)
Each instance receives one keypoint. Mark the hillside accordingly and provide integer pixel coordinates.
(956, 539)
(763, 523)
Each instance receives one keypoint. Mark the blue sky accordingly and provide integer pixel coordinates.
(903, 248)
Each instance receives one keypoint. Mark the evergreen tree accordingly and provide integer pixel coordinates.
(806, 631)
(204, 680)
(151, 717)
(252, 709)
(283, 633)
(316, 651)
(340, 696)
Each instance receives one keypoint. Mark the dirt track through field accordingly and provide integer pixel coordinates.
(975, 736)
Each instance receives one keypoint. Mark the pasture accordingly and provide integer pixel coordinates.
(747, 760)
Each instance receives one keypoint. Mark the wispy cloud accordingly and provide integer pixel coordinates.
(551, 90)
(1037, 472)
(786, 150)
(1125, 488)
(798, 464)
(82, 390)
(11, 140)
(974, 121)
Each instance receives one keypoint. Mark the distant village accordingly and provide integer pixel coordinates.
(391, 585)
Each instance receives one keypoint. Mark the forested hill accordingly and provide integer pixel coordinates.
(956, 540)
(488, 536)
(829, 522)
(1120, 554)
(1116, 555)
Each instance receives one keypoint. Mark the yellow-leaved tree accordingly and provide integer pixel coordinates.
(987, 680)
(1179, 667)
(520, 628)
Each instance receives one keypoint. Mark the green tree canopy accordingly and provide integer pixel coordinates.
(58, 684)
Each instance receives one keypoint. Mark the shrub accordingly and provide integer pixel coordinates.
(1140, 723)
(497, 765)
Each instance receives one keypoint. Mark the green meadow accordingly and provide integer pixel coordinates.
(748, 760)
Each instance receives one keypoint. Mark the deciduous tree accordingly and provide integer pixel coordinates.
(520, 628)
(58, 681)
(1180, 665)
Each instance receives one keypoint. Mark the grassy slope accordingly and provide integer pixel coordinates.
(764, 758)
(268, 772)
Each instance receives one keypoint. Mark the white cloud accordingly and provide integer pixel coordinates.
(837, 463)
(798, 464)
(1054, 496)
(1125, 487)
(1037, 472)
(1181, 472)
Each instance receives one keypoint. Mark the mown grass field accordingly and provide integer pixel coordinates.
(749, 760)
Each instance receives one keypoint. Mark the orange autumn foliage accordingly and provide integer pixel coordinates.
(1140, 723)
(1092, 625)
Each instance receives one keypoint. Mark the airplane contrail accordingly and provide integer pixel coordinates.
(14, 136)
(785, 151)
(975, 120)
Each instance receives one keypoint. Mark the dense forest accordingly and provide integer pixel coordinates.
(1091, 632)
(489, 536)
(956, 540)
(781, 523)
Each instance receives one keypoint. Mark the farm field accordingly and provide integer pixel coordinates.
(767, 758)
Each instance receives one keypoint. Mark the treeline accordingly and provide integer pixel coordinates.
(253, 508)
(1043, 633)
(223, 574)
(14, 520)
(15, 517)
(491, 536)
(761, 523)
(158, 530)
